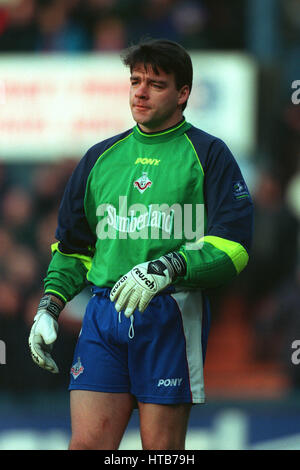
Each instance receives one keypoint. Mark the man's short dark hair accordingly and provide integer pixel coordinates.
(170, 56)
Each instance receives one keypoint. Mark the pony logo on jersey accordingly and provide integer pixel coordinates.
(147, 161)
(142, 183)
(77, 369)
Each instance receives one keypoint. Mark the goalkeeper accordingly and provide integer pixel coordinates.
(144, 333)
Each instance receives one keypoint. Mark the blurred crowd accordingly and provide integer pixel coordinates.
(109, 25)
(30, 194)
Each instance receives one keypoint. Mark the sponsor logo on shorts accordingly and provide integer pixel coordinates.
(169, 382)
(77, 369)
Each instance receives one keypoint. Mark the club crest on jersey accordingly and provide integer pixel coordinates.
(77, 369)
(142, 183)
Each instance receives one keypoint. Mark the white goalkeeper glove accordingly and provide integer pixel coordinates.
(138, 287)
(44, 333)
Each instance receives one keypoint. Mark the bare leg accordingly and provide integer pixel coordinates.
(163, 427)
(99, 419)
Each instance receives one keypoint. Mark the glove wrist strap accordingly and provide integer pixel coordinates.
(53, 308)
(175, 264)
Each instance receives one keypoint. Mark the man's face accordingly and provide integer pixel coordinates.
(154, 100)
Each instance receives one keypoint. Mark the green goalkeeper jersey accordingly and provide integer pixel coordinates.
(137, 196)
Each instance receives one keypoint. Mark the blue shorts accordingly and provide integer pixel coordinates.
(156, 356)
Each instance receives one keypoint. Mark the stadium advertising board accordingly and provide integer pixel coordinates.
(55, 106)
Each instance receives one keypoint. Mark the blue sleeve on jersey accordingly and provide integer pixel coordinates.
(73, 231)
(228, 202)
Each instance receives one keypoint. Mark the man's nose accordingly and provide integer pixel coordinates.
(141, 91)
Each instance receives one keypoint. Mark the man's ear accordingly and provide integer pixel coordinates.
(183, 95)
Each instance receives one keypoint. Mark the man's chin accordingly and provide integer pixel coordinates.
(140, 118)
(143, 122)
